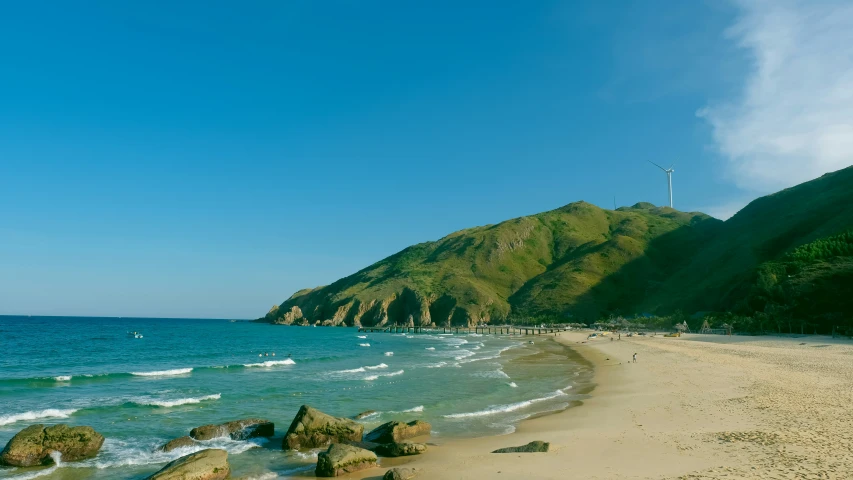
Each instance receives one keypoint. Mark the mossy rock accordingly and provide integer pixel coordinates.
(33, 445)
(312, 428)
(210, 464)
(341, 459)
(396, 432)
(532, 447)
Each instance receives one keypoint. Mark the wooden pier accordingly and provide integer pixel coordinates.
(482, 330)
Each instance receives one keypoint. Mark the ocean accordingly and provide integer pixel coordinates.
(142, 392)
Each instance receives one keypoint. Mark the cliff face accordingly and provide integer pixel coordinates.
(547, 263)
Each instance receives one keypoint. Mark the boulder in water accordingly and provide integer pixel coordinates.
(341, 459)
(363, 414)
(210, 464)
(401, 449)
(312, 428)
(532, 447)
(185, 441)
(400, 473)
(396, 432)
(33, 445)
(237, 430)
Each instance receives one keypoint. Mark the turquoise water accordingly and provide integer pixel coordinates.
(141, 392)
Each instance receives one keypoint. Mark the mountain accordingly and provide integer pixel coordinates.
(752, 252)
(539, 264)
(582, 262)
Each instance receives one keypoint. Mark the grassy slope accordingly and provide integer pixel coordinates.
(722, 274)
(540, 264)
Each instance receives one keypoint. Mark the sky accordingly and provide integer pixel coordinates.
(207, 158)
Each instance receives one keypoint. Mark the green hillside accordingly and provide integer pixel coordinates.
(727, 269)
(784, 256)
(541, 264)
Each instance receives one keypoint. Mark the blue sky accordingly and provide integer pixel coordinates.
(207, 159)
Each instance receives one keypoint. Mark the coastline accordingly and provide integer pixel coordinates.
(701, 406)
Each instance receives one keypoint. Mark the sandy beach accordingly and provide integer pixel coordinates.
(696, 407)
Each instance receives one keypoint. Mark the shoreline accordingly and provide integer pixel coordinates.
(700, 406)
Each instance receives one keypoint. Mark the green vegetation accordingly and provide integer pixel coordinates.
(783, 263)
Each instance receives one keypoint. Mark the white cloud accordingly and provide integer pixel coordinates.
(794, 120)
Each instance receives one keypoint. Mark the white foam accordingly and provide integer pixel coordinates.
(430, 348)
(376, 367)
(57, 462)
(263, 476)
(118, 453)
(495, 409)
(35, 415)
(492, 374)
(362, 336)
(512, 384)
(363, 344)
(270, 363)
(466, 354)
(392, 374)
(419, 408)
(62, 378)
(175, 403)
(437, 365)
(164, 373)
(389, 354)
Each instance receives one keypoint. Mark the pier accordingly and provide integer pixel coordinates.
(482, 330)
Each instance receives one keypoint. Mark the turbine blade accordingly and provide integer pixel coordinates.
(655, 164)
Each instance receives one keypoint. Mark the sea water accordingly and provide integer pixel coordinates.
(142, 392)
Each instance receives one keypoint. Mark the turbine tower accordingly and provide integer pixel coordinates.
(668, 172)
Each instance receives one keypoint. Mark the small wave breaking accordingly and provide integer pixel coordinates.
(177, 402)
(163, 373)
(495, 409)
(35, 415)
(270, 363)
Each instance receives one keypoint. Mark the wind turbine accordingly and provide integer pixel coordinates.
(668, 172)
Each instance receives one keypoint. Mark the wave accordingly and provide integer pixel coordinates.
(270, 363)
(63, 378)
(35, 415)
(362, 336)
(177, 402)
(491, 374)
(57, 462)
(353, 370)
(392, 374)
(389, 354)
(118, 453)
(164, 373)
(363, 344)
(430, 348)
(467, 354)
(495, 409)
(512, 384)
(375, 367)
(419, 408)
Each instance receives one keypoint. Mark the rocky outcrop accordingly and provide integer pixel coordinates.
(33, 445)
(341, 459)
(401, 449)
(210, 464)
(532, 447)
(181, 442)
(237, 430)
(363, 414)
(290, 317)
(396, 432)
(400, 473)
(312, 428)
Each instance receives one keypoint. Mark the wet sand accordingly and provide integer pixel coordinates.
(696, 407)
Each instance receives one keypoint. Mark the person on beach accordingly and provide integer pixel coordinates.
(635, 358)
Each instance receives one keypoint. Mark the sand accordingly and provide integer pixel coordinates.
(696, 407)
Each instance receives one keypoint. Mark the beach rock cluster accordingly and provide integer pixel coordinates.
(34, 445)
(210, 464)
(400, 473)
(312, 428)
(532, 447)
(395, 431)
(401, 449)
(341, 459)
(236, 430)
